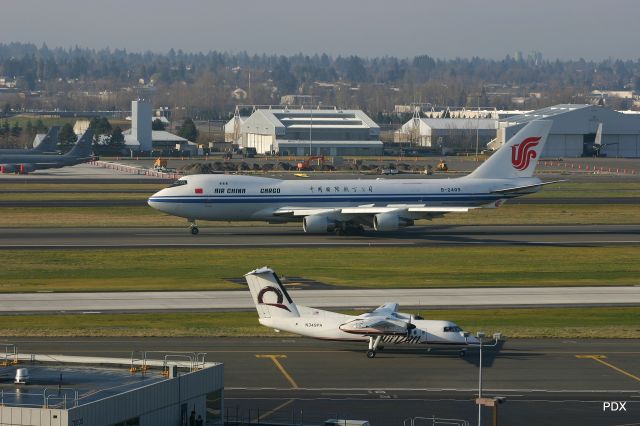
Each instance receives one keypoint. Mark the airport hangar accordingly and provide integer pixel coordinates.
(574, 129)
(447, 132)
(316, 131)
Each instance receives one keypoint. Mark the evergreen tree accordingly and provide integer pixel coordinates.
(188, 130)
(16, 130)
(157, 125)
(117, 138)
(66, 137)
(100, 125)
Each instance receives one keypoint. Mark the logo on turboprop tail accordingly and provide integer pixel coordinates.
(522, 153)
(279, 298)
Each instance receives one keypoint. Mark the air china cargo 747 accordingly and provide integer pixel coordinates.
(345, 206)
(384, 325)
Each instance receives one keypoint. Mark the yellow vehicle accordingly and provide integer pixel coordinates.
(160, 163)
(442, 166)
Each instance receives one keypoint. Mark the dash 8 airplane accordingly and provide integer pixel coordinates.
(347, 206)
(384, 325)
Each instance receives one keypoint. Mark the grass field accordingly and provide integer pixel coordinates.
(206, 269)
(143, 216)
(610, 322)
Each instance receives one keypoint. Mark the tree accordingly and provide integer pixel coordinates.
(66, 137)
(16, 130)
(188, 130)
(157, 125)
(39, 127)
(100, 126)
(117, 138)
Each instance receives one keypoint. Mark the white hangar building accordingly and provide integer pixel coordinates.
(311, 132)
(458, 133)
(574, 129)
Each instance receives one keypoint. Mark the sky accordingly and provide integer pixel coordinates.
(564, 29)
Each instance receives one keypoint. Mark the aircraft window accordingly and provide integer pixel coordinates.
(179, 182)
(453, 329)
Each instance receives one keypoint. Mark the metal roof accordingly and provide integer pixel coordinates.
(543, 113)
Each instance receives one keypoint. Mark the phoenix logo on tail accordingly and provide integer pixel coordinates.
(522, 153)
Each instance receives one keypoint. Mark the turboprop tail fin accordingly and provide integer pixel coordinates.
(269, 295)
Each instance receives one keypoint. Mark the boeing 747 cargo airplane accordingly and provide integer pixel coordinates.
(385, 324)
(344, 206)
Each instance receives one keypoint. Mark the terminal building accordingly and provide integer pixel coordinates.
(302, 132)
(574, 130)
(84, 391)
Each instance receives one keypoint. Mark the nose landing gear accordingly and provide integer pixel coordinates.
(193, 226)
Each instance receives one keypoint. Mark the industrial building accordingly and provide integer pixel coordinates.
(450, 134)
(140, 138)
(317, 131)
(574, 130)
(59, 390)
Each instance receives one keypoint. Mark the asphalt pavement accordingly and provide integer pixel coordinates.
(304, 381)
(293, 236)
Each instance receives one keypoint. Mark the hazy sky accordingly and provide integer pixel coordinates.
(592, 29)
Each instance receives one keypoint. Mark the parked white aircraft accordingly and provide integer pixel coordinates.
(343, 206)
(385, 324)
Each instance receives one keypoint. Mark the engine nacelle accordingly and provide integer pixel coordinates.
(8, 168)
(23, 169)
(318, 224)
(390, 222)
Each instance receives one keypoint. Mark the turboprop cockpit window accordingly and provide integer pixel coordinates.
(452, 329)
(179, 182)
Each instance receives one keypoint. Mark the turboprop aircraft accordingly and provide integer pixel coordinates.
(383, 325)
(23, 163)
(346, 206)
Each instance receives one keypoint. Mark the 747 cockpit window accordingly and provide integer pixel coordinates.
(179, 182)
(453, 329)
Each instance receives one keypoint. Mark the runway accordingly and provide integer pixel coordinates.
(293, 236)
(277, 379)
(12, 303)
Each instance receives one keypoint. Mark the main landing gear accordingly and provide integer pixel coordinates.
(348, 229)
(193, 226)
(373, 345)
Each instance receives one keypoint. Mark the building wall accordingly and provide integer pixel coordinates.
(141, 123)
(18, 416)
(262, 143)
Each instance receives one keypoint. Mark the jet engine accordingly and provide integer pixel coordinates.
(390, 222)
(26, 168)
(318, 224)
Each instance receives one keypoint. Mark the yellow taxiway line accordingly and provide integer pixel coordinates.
(279, 366)
(599, 358)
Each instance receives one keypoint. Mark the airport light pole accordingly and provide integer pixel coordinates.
(310, 129)
(483, 401)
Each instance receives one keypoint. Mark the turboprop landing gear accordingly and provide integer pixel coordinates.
(373, 345)
(193, 226)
